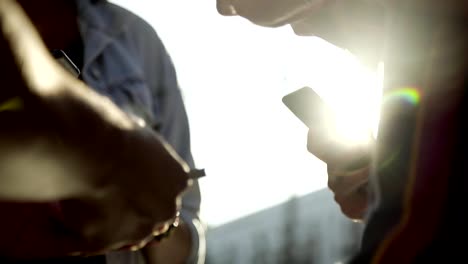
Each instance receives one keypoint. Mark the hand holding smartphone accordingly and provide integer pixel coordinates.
(348, 165)
(310, 108)
(323, 140)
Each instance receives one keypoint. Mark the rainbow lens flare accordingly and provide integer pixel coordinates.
(407, 94)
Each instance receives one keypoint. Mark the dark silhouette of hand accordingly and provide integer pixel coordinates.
(77, 175)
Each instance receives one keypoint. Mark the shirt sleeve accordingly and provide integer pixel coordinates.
(171, 121)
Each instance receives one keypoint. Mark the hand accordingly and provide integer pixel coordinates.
(112, 181)
(348, 171)
(351, 191)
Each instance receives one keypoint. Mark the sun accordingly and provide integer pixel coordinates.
(352, 90)
(357, 108)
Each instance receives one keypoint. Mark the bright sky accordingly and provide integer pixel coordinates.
(233, 75)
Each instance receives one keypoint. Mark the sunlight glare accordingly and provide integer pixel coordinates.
(352, 91)
(233, 76)
(357, 110)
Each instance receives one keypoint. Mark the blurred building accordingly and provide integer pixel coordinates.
(308, 229)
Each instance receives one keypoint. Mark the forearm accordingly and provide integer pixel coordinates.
(175, 249)
(186, 243)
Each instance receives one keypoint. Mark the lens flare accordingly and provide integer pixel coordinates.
(408, 94)
(357, 108)
(11, 104)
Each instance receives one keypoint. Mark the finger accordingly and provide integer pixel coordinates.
(350, 191)
(344, 183)
(354, 205)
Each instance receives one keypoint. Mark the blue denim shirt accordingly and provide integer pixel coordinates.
(125, 60)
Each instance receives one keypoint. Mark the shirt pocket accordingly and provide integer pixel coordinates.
(133, 95)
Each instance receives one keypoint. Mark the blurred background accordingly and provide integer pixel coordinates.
(264, 196)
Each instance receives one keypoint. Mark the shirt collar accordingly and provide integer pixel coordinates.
(99, 26)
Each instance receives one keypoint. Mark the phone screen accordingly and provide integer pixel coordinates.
(66, 62)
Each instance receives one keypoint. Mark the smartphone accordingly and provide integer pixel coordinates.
(66, 62)
(309, 107)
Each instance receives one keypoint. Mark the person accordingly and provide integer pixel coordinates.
(137, 176)
(410, 191)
